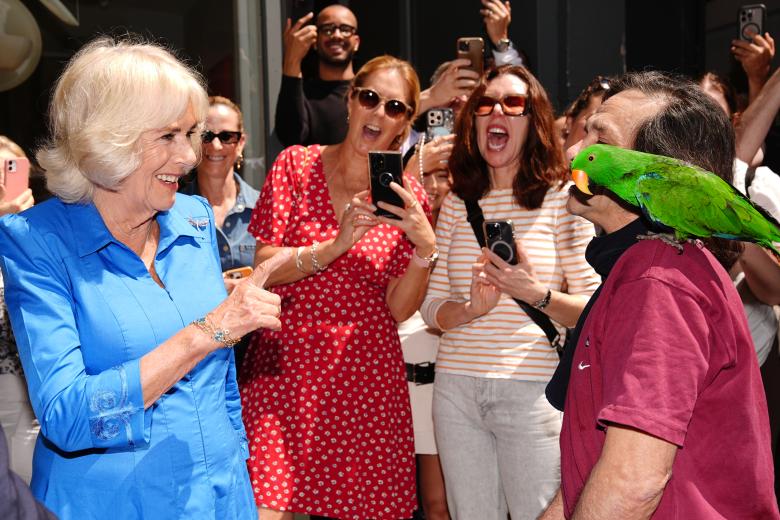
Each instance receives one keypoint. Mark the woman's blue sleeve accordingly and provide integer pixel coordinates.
(77, 410)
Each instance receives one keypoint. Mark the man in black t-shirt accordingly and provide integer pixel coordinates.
(315, 110)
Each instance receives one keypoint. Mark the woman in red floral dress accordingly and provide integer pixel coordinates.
(325, 399)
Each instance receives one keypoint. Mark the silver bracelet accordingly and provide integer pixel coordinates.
(299, 260)
(316, 266)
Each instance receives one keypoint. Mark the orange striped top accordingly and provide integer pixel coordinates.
(505, 342)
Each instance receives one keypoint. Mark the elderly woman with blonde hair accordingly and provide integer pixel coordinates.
(116, 299)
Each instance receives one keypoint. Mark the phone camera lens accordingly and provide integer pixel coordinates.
(385, 178)
(463, 45)
(503, 250)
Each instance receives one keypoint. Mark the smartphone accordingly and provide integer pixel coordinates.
(16, 177)
(237, 273)
(472, 49)
(384, 168)
(439, 121)
(752, 20)
(500, 238)
(300, 8)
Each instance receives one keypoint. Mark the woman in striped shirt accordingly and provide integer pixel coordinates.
(496, 432)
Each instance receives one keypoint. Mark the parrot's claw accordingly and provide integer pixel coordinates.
(666, 238)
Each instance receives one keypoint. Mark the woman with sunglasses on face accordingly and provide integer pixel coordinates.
(231, 198)
(325, 399)
(496, 433)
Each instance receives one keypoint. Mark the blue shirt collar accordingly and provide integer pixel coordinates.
(93, 234)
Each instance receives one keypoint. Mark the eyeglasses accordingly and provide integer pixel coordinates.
(329, 29)
(225, 136)
(369, 100)
(511, 105)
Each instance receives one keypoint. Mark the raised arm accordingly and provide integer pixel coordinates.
(757, 119)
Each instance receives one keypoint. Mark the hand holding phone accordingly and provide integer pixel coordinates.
(500, 239)
(385, 168)
(440, 121)
(751, 21)
(472, 49)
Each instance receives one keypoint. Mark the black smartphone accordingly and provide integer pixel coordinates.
(752, 21)
(472, 49)
(500, 238)
(299, 8)
(384, 168)
(439, 121)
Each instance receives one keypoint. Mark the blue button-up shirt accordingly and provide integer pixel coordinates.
(84, 310)
(236, 245)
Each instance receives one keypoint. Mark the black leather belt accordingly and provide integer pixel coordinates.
(421, 373)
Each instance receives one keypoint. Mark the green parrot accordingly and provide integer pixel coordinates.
(691, 201)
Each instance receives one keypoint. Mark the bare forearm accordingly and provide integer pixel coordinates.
(565, 308)
(554, 511)
(164, 366)
(428, 101)
(454, 314)
(762, 274)
(406, 295)
(327, 252)
(629, 478)
(605, 496)
(757, 119)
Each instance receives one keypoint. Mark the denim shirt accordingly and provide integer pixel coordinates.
(236, 246)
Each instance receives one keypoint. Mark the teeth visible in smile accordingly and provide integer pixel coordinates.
(495, 130)
(215, 157)
(373, 128)
(167, 178)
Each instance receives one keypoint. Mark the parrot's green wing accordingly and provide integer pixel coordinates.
(697, 203)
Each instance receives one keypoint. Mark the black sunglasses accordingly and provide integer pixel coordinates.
(369, 100)
(329, 29)
(225, 136)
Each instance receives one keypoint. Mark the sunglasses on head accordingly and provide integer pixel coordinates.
(511, 105)
(329, 29)
(225, 136)
(369, 100)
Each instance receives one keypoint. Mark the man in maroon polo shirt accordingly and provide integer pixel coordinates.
(665, 414)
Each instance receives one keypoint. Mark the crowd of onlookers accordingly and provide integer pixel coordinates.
(376, 360)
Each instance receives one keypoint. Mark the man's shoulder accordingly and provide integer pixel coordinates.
(694, 271)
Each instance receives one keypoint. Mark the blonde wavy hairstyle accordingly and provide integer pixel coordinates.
(110, 93)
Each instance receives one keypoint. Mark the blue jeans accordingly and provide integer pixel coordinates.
(498, 446)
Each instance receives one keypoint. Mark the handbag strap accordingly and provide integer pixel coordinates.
(476, 218)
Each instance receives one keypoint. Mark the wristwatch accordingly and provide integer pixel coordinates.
(503, 45)
(544, 302)
(426, 262)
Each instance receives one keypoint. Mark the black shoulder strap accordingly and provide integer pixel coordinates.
(750, 176)
(476, 218)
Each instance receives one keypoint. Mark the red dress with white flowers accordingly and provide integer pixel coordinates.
(325, 399)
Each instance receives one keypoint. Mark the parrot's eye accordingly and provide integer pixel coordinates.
(591, 157)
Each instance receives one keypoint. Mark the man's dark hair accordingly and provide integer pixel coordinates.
(691, 127)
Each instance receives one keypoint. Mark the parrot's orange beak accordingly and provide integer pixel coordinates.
(581, 181)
